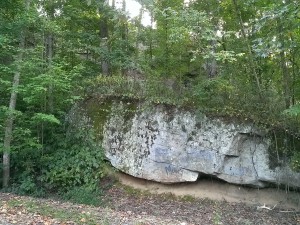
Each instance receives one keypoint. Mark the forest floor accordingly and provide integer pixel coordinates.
(124, 205)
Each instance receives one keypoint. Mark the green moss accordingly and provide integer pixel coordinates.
(99, 110)
(129, 111)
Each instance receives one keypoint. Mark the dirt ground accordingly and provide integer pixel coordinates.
(126, 205)
(218, 190)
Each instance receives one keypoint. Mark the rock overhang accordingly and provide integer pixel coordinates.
(170, 146)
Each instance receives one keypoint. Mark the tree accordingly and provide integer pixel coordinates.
(103, 25)
(13, 99)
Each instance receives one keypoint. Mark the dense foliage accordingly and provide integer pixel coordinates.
(229, 58)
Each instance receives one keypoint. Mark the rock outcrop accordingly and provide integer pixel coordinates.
(169, 145)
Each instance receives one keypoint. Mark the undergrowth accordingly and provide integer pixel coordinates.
(71, 169)
(83, 195)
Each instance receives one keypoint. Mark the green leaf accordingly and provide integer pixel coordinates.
(49, 118)
(292, 111)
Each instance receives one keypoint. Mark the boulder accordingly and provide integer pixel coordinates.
(169, 145)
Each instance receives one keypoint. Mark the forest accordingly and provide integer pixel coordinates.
(227, 58)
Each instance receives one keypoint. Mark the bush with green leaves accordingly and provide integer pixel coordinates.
(77, 161)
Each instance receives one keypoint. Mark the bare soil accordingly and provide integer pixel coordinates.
(207, 203)
(220, 191)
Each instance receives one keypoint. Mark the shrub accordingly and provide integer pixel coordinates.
(78, 161)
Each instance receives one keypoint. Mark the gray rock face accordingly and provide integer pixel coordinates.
(172, 145)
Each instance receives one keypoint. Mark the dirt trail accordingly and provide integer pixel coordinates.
(218, 190)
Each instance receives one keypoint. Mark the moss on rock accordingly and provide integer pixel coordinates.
(99, 111)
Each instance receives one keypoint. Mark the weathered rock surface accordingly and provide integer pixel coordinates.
(172, 145)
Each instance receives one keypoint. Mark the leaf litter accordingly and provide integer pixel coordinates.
(122, 206)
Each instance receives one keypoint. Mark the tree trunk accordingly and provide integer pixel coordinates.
(113, 4)
(286, 80)
(124, 36)
(250, 54)
(166, 53)
(284, 70)
(104, 40)
(9, 123)
(139, 27)
(49, 55)
(295, 71)
(211, 65)
(104, 62)
(12, 106)
(151, 39)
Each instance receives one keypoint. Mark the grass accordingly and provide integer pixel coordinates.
(135, 192)
(217, 214)
(188, 198)
(83, 195)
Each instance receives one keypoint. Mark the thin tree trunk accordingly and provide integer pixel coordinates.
(285, 73)
(12, 106)
(286, 80)
(104, 62)
(113, 4)
(104, 40)
(166, 53)
(124, 35)
(250, 54)
(124, 6)
(9, 124)
(295, 69)
(151, 39)
(139, 26)
(211, 66)
(49, 44)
